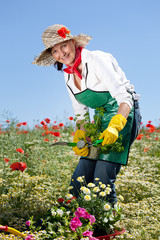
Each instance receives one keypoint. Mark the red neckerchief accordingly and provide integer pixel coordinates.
(77, 61)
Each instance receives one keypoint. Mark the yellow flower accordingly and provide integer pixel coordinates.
(91, 185)
(108, 190)
(103, 194)
(96, 189)
(94, 195)
(103, 186)
(69, 196)
(80, 179)
(87, 197)
(106, 207)
(96, 179)
(86, 190)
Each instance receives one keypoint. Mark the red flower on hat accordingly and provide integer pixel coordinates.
(62, 32)
(18, 166)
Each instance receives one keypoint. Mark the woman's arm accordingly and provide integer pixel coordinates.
(124, 109)
(79, 125)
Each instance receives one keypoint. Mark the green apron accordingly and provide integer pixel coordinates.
(94, 100)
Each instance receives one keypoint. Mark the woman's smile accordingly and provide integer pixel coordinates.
(64, 52)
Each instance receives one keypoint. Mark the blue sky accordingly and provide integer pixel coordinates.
(129, 30)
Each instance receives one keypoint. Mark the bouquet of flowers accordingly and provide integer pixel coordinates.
(94, 130)
(88, 216)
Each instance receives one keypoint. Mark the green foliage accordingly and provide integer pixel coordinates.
(48, 173)
(94, 129)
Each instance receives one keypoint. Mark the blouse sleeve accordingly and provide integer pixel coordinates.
(109, 72)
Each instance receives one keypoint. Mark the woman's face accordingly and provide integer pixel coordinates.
(64, 52)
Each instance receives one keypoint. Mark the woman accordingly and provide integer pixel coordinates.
(94, 79)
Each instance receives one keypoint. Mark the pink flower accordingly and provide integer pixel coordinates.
(81, 212)
(28, 223)
(87, 233)
(29, 237)
(91, 218)
(75, 222)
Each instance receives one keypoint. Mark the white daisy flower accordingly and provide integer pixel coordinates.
(106, 207)
(91, 185)
(87, 197)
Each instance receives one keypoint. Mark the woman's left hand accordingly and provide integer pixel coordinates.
(116, 124)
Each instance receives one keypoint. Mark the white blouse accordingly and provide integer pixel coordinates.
(100, 72)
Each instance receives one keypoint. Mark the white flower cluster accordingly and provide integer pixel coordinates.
(91, 190)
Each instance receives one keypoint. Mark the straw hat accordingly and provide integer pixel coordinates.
(56, 34)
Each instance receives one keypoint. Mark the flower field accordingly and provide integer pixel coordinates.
(33, 175)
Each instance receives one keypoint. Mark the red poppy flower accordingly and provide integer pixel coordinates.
(18, 124)
(46, 140)
(71, 118)
(149, 125)
(62, 32)
(146, 149)
(60, 200)
(61, 125)
(56, 134)
(55, 127)
(45, 127)
(20, 150)
(73, 133)
(24, 123)
(73, 198)
(25, 132)
(47, 120)
(149, 121)
(152, 129)
(18, 166)
(6, 160)
(139, 136)
(8, 121)
(42, 122)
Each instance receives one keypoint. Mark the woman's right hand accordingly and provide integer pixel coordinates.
(80, 135)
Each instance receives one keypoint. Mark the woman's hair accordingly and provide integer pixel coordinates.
(58, 66)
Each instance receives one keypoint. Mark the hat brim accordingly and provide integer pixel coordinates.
(45, 58)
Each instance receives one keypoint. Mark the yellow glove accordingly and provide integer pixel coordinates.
(80, 135)
(116, 124)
